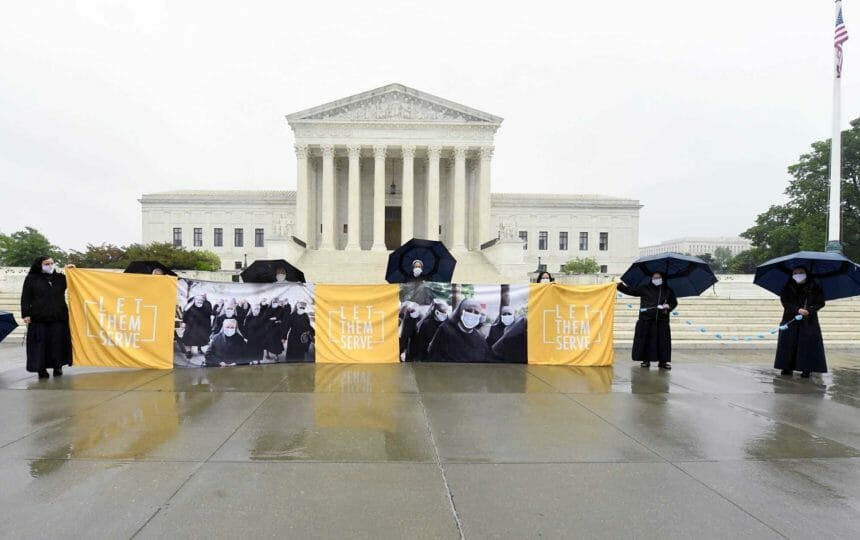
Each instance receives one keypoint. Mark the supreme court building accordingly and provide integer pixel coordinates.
(381, 167)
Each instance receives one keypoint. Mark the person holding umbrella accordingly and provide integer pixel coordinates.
(417, 270)
(44, 310)
(652, 339)
(800, 346)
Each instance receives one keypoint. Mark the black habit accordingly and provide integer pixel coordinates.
(652, 339)
(800, 346)
(43, 299)
(452, 344)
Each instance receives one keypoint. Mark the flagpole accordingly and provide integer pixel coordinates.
(834, 225)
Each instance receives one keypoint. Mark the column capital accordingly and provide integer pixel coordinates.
(408, 151)
(434, 151)
(486, 152)
(460, 152)
(327, 150)
(301, 150)
(353, 150)
(379, 151)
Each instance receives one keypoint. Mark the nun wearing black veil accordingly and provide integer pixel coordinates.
(44, 310)
(427, 326)
(513, 345)
(459, 339)
(503, 322)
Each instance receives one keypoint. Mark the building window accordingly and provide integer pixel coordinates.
(345, 228)
(562, 241)
(603, 269)
(583, 241)
(543, 240)
(604, 241)
(237, 265)
(258, 237)
(218, 237)
(238, 237)
(198, 237)
(177, 236)
(524, 236)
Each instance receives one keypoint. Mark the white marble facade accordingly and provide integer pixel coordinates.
(378, 168)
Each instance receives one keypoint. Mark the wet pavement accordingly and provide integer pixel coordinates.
(720, 447)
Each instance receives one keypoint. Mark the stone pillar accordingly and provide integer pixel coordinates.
(459, 196)
(433, 153)
(378, 198)
(303, 203)
(484, 195)
(353, 219)
(328, 197)
(407, 215)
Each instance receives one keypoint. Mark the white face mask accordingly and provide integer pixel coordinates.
(47, 268)
(544, 280)
(414, 314)
(441, 316)
(507, 319)
(229, 331)
(416, 271)
(230, 312)
(470, 320)
(281, 277)
(656, 281)
(198, 303)
(301, 311)
(800, 278)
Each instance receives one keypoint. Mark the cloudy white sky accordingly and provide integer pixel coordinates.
(694, 108)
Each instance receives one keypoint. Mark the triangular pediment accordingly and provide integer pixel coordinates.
(394, 103)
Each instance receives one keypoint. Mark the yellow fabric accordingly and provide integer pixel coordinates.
(357, 323)
(121, 320)
(571, 324)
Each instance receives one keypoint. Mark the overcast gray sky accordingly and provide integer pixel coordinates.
(694, 108)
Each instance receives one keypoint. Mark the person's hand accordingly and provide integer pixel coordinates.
(69, 266)
(26, 320)
(803, 312)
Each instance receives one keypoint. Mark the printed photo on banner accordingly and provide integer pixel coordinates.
(452, 322)
(229, 324)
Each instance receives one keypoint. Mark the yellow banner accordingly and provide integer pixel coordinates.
(571, 325)
(121, 320)
(357, 323)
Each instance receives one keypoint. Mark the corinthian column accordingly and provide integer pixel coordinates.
(408, 206)
(433, 153)
(353, 220)
(328, 197)
(302, 200)
(459, 196)
(378, 198)
(484, 195)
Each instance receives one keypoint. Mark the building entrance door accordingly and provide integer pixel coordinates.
(392, 227)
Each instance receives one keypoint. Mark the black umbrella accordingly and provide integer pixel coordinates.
(146, 267)
(7, 324)
(838, 276)
(686, 275)
(437, 260)
(264, 271)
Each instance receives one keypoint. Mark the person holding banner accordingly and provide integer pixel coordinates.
(545, 277)
(459, 339)
(44, 310)
(800, 346)
(427, 327)
(505, 320)
(652, 339)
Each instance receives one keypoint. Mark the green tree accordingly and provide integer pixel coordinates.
(21, 247)
(722, 258)
(581, 266)
(102, 256)
(167, 254)
(801, 223)
(746, 261)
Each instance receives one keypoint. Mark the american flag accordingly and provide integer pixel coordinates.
(839, 37)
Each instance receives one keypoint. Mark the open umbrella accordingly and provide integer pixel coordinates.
(686, 275)
(7, 324)
(264, 271)
(146, 267)
(437, 260)
(838, 276)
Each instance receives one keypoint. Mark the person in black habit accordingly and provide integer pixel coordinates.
(255, 329)
(300, 334)
(426, 329)
(506, 318)
(198, 319)
(278, 316)
(44, 310)
(459, 339)
(228, 311)
(409, 316)
(800, 346)
(229, 347)
(513, 345)
(652, 339)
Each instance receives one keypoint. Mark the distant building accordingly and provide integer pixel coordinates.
(698, 245)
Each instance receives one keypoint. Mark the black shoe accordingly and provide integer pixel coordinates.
(58, 372)
(786, 372)
(645, 364)
(805, 374)
(44, 374)
(666, 366)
